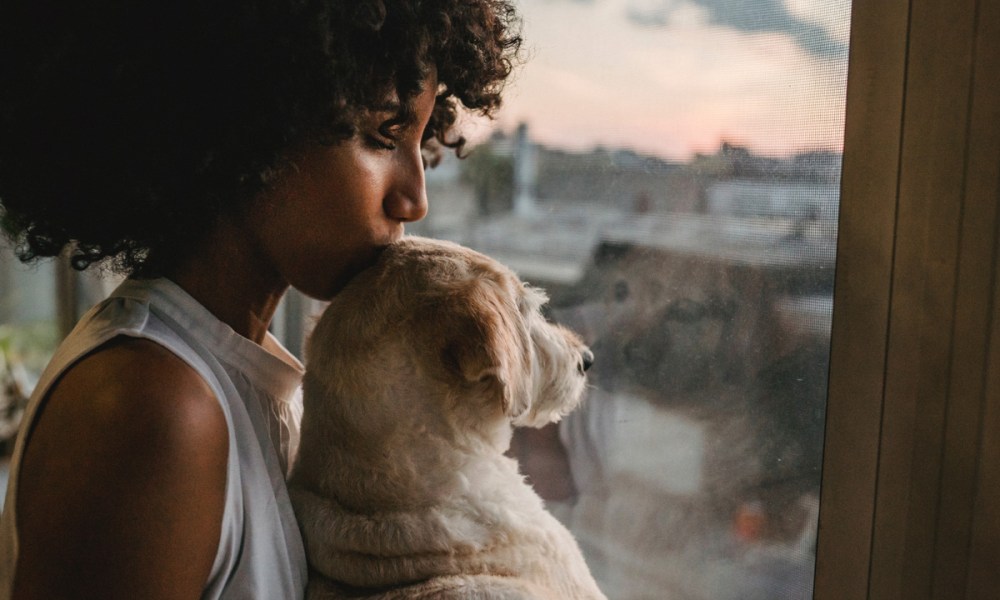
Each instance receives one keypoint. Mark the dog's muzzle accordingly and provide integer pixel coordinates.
(586, 360)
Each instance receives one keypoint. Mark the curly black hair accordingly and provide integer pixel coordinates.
(129, 127)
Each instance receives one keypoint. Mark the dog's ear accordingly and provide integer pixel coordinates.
(489, 343)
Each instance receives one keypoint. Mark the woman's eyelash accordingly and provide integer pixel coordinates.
(386, 135)
(381, 143)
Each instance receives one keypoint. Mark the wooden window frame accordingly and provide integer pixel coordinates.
(911, 486)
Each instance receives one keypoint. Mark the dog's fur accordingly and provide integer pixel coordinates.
(415, 374)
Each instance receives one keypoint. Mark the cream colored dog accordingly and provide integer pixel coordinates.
(415, 374)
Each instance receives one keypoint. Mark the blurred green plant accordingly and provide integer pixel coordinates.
(24, 351)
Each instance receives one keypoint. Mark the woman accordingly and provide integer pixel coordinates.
(218, 152)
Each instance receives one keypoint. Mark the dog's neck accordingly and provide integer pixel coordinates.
(403, 467)
(424, 477)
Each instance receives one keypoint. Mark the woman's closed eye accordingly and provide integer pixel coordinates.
(397, 126)
(380, 142)
(382, 138)
(389, 133)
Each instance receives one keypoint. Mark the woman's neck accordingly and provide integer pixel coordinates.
(229, 279)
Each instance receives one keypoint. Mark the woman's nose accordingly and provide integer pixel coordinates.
(407, 207)
(407, 202)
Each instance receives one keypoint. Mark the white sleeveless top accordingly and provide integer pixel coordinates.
(260, 553)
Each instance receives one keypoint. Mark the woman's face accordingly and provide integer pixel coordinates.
(339, 205)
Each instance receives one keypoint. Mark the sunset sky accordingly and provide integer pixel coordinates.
(676, 77)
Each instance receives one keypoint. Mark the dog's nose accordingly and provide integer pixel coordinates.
(587, 359)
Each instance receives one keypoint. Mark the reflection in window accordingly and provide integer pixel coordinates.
(669, 171)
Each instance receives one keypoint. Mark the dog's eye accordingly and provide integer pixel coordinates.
(621, 291)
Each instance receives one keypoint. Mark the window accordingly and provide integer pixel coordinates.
(670, 173)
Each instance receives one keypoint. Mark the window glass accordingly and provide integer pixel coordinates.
(669, 171)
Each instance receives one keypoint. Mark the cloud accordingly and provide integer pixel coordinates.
(752, 16)
(594, 77)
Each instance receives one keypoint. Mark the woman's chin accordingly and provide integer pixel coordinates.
(325, 288)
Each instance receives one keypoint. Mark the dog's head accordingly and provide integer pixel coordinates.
(439, 339)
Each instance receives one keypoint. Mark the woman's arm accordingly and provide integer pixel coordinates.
(122, 486)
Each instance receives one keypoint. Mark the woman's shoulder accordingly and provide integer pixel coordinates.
(132, 444)
(136, 379)
(133, 392)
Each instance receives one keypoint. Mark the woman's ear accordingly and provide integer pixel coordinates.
(487, 342)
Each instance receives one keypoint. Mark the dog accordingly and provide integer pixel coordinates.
(416, 373)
